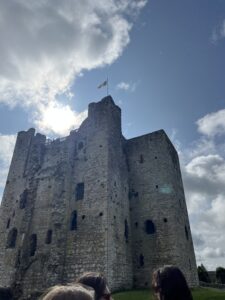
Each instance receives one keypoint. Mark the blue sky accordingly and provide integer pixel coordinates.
(166, 68)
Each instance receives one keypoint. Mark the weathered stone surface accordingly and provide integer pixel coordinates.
(93, 201)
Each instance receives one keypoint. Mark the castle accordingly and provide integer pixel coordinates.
(93, 201)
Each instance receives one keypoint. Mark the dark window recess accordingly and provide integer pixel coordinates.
(165, 220)
(126, 231)
(132, 194)
(149, 227)
(100, 214)
(80, 191)
(156, 186)
(48, 239)
(136, 224)
(186, 232)
(23, 199)
(18, 261)
(141, 160)
(8, 223)
(73, 223)
(128, 165)
(189, 264)
(83, 217)
(141, 260)
(11, 240)
(146, 283)
(80, 145)
(33, 244)
(156, 157)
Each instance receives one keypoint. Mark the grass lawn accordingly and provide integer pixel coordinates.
(198, 294)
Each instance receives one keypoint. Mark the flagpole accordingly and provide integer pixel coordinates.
(107, 86)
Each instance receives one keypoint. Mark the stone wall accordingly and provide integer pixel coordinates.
(160, 226)
(93, 201)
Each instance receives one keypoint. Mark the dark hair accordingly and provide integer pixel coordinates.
(170, 283)
(95, 280)
(5, 293)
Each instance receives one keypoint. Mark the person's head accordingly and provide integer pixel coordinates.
(98, 282)
(5, 293)
(69, 292)
(169, 283)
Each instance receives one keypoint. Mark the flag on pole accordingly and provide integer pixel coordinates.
(103, 84)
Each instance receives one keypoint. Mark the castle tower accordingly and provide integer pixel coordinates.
(160, 225)
(93, 201)
(65, 208)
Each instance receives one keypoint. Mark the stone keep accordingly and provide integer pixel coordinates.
(93, 201)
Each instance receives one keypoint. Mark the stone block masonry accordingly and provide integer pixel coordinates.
(93, 201)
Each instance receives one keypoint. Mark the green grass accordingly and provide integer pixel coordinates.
(198, 294)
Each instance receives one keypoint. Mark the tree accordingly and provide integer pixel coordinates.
(220, 274)
(203, 274)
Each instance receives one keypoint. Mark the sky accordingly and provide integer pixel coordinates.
(166, 70)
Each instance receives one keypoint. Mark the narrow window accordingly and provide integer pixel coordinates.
(186, 232)
(73, 223)
(80, 191)
(141, 260)
(17, 263)
(180, 202)
(80, 145)
(8, 223)
(189, 264)
(126, 230)
(23, 199)
(149, 227)
(136, 224)
(141, 160)
(48, 239)
(165, 220)
(33, 244)
(11, 240)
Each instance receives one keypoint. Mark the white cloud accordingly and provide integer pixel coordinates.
(203, 170)
(59, 118)
(213, 252)
(218, 33)
(125, 86)
(7, 143)
(212, 124)
(46, 44)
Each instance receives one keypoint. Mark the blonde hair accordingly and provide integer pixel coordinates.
(69, 292)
